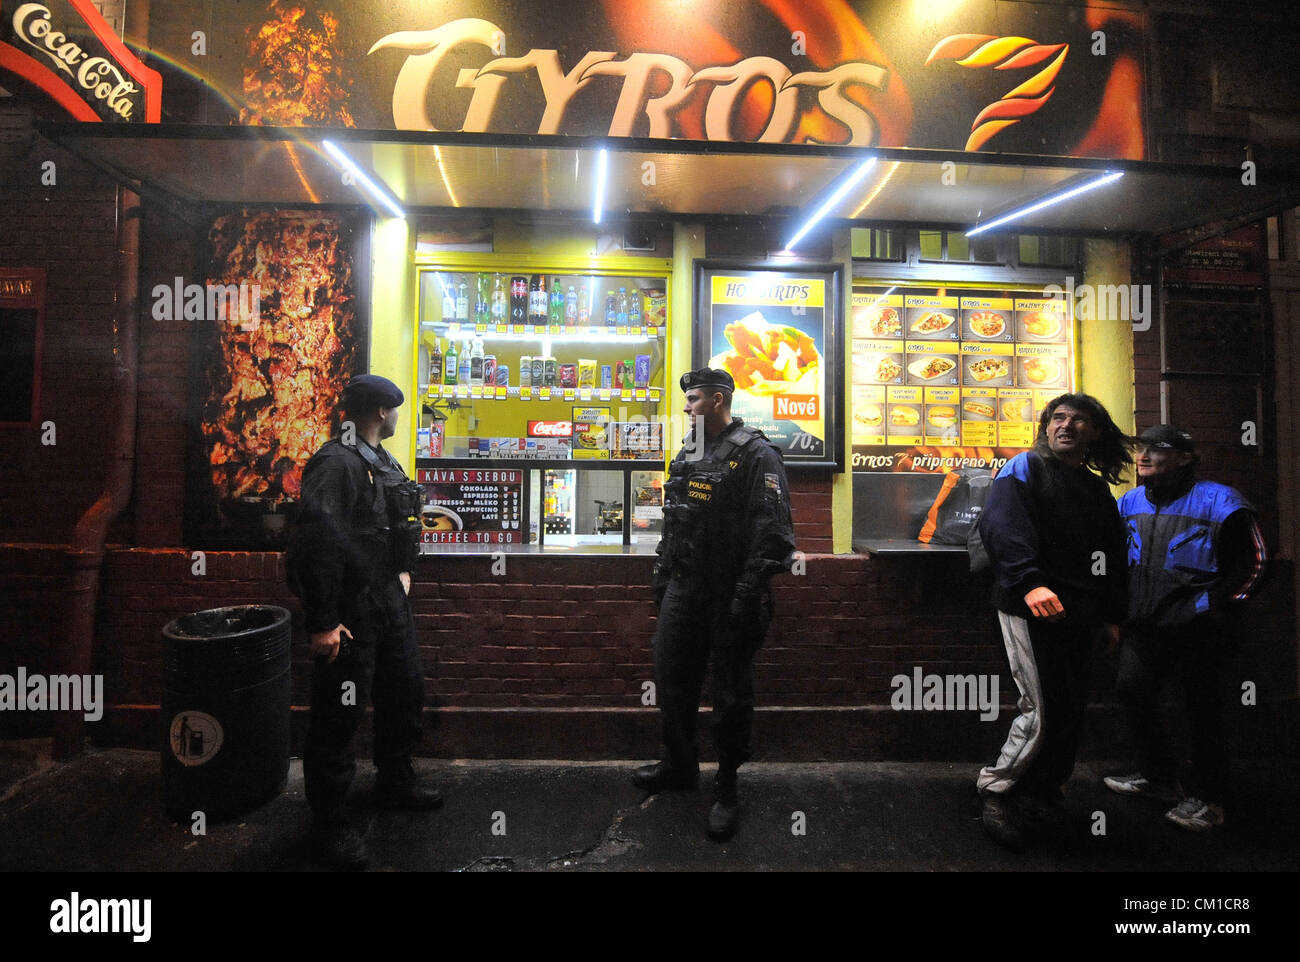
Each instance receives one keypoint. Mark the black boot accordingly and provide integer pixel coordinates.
(397, 786)
(340, 845)
(663, 777)
(724, 817)
(1002, 822)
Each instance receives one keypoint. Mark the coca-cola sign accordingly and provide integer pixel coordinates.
(550, 429)
(65, 48)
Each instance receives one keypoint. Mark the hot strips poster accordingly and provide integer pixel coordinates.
(772, 332)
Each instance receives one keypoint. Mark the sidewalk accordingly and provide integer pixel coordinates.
(102, 812)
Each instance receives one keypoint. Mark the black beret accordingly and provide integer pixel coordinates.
(372, 391)
(707, 377)
(1168, 436)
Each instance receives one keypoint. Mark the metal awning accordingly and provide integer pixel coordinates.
(428, 171)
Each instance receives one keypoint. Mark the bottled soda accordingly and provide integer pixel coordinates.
(634, 315)
(518, 299)
(500, 300)
(556, 312)
(584, 308)
(571, 307)
(611, 309)
(622, 307)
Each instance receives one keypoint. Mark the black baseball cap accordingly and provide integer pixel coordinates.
(372, 391)
(1168, 436)
(707, 377)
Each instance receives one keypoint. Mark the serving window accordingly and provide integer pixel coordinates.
(542, 396)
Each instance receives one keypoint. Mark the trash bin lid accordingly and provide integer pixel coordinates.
(228, 622)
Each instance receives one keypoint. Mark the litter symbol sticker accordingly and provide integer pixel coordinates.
(195, 737)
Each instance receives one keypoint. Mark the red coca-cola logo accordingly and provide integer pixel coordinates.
(550, 429)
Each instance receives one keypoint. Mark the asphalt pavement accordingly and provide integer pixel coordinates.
(103, 812)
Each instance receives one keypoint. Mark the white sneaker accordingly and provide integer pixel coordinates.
(1196, 815)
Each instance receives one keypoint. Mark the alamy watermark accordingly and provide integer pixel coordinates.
(36, 692)
(75, 915)
(1103, 302)
(179, 301)
(922, 692)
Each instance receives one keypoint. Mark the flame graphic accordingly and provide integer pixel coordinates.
(977, 50)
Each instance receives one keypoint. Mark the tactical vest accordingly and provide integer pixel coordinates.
(704, 513)
(394, 513)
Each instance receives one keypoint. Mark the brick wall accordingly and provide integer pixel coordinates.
(68, 229)
(168, 249)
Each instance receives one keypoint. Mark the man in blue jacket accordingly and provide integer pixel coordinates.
(1195, 554)
(1056, 543)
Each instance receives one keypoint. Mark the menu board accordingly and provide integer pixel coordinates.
(773, 331)
(945, 378)
(471, 506)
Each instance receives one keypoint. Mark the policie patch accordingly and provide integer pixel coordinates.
(699, 490)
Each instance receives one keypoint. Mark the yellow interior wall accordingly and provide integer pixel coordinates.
(688, 244)
(1105, 353)
(392, 338)
(842, 483)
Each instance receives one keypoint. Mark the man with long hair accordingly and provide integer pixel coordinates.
(1195, 555)
(1057, 545)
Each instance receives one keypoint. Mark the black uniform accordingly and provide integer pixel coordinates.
(344, 565)
(727, 530)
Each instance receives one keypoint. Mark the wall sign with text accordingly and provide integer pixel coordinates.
(775, 332)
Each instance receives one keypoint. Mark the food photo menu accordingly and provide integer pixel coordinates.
(955, 368)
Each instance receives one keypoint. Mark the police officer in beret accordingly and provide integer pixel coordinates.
(727, 531)
(350, 561)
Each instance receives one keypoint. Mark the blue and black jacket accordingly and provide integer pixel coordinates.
(1193, 549)
(1047, 524)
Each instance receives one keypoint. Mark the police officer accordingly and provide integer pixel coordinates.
(727, 531)
(350, 562)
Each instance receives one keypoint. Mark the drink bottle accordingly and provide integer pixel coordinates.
(449, 363)
(622, 307)
(571, 307)
(476, 363)
(555, 313)
(634, 315)
(518, 299)
(481, 309)
(500, 300)
(435, 363)
(611, 309)
(462, 303)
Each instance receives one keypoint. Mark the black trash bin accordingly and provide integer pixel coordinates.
(225, 710)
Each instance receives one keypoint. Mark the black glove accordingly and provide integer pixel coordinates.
(659, 584)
